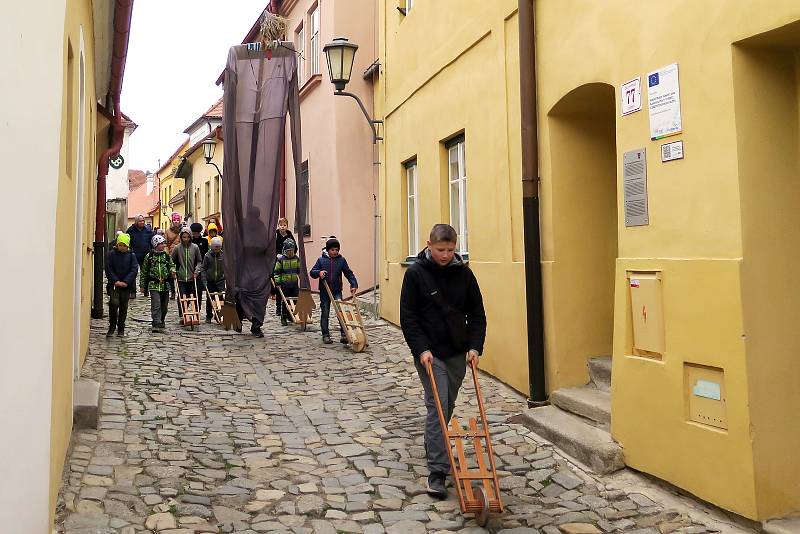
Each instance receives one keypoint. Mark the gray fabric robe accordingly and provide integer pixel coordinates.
(258, 94)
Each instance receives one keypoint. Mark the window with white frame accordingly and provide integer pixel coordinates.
(412, 208)
(300, 46)
(315, 48)
(457, 177)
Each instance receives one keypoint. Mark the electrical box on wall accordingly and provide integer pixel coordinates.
(647, 313)
(704, 391)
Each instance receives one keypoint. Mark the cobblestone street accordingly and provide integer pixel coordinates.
(212, 431)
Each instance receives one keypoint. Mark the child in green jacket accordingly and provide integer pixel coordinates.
(157, 270)
(287, 274)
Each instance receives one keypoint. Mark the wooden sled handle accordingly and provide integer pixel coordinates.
(445, 434)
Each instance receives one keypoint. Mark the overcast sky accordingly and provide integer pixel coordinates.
(177, 50)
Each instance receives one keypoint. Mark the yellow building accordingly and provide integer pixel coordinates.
(675, 259)
(203, 180)
(171, 186)
(54, 141)
(448, 94)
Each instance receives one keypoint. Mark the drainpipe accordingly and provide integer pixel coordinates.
(530, 202)
(122, 28)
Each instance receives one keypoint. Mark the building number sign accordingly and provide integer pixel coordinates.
(631, 94)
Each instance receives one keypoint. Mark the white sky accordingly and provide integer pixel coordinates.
(177, 49)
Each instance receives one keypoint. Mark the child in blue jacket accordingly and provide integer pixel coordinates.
(329, 268)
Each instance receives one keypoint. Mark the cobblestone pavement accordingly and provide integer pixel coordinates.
(212, 431)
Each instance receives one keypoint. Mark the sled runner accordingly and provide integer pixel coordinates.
(217, 300)
(350, 318)
(188, 305)
(478, 489)
(290, 303)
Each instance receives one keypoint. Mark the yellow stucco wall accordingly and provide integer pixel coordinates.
(203, 175)
(721, 221)
(78, 19)
(766, 71)
(439, 79)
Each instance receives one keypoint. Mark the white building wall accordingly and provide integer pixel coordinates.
(33, 97)
(117, 179)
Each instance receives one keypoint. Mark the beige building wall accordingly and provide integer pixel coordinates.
(337, 141)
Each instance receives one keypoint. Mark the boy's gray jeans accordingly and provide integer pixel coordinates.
(449, 374)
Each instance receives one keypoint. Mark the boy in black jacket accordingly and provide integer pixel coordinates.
(121, 269)
(444, 324)
(329, 268)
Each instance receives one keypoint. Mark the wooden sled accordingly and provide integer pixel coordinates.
(350, 318)
(290, 303)
(478, 490)
(217, 300)
(188, 306)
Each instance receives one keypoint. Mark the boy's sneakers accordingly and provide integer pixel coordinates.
(208, 320)
(343, 341)
(436, 485)
(110, 331)
(121, 331)
(257, 332)
(327, 340)
(284, 321)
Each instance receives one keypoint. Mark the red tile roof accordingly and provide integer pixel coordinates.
(180, 196)
(214, 112)
(135, 179)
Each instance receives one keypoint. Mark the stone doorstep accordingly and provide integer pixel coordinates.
(600, 372)
(786, 525)
(86, 403)
(588, 444)
(587, 401)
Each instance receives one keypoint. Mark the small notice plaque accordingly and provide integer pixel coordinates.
(671, 151)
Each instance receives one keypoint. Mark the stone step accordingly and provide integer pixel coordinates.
(591, 445)
(600, 372)
(586, 401)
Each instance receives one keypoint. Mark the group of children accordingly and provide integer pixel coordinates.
(161, 269)
(194, 262)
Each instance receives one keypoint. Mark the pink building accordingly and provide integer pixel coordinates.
(337, 141)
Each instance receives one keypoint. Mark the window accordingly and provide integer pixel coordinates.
(306, 230)
(409, 6)
(300, 46)
(315, 40)
(412, 208)
(218, 189)
(208, 198)
(458, 191)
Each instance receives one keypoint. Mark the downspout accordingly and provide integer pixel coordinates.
(122, 28)
(530, 202)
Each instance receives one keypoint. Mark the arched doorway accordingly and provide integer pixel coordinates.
(583, 156)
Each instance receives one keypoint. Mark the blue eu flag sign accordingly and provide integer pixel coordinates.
(652, 80)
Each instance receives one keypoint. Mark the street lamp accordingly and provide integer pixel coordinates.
(209, 145)
(340, 54)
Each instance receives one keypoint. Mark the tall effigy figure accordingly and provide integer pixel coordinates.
(260, 88)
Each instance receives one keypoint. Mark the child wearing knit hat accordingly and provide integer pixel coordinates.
(329, 269)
